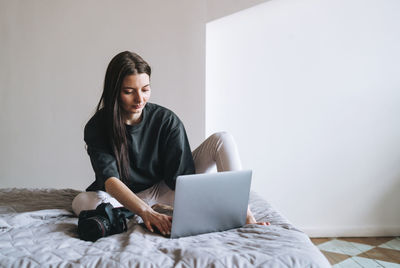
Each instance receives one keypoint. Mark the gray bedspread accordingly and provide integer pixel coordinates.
(38, 229)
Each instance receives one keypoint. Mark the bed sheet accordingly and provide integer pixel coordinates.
(39, 229)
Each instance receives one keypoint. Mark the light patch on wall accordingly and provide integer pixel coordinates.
(310, 90)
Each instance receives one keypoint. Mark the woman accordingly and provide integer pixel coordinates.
(137, 148)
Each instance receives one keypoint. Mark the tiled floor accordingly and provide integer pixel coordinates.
(361, 252)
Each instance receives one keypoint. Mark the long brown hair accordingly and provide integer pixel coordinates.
(123, 64)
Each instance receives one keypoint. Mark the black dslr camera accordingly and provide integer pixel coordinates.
(103, 221)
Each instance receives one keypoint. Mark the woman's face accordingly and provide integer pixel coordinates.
(135, 92)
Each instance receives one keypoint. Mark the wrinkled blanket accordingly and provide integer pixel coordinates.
(38, 229)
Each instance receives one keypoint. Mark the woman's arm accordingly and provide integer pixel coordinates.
(126, 197)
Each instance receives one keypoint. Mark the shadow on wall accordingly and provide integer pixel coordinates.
(217, 9)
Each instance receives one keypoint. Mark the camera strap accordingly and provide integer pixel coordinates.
(120, 218)
(108, 209)
(126, 212)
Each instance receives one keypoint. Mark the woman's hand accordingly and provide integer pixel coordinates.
(161, 221)
(131, 201)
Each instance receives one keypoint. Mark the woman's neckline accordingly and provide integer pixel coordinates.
(138, 125)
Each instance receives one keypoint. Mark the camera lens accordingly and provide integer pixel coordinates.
(94, 228)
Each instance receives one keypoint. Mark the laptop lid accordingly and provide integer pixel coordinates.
(210, 202)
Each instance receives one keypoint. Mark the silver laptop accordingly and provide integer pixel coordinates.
(210, 202)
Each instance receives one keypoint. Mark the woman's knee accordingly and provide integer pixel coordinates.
(227, 155)
(222, 137)
(85, 201)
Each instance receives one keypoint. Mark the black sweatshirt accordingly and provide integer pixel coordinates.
(158, 150)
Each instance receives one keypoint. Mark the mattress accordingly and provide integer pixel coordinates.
(39, 229)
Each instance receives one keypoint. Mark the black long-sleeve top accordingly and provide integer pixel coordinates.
(158, 150)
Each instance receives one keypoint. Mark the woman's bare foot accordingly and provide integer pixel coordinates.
(251, 220)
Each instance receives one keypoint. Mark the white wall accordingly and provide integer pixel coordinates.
(311, 91)
(54, 55)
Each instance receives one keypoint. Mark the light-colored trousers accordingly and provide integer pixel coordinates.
(219, 150)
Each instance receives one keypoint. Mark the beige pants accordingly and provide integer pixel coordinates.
(217, 151)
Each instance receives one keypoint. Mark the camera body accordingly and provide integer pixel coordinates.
(103, 221)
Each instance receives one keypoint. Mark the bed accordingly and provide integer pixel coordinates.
(38, 228)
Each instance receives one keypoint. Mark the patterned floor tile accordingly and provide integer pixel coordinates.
(344, 247)
(388, 264)
(393, 244)
(367, 263)
(317, 241)
(334, 258)
(372, 241)
(349, 263)
(373, 251)
(383, 254)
